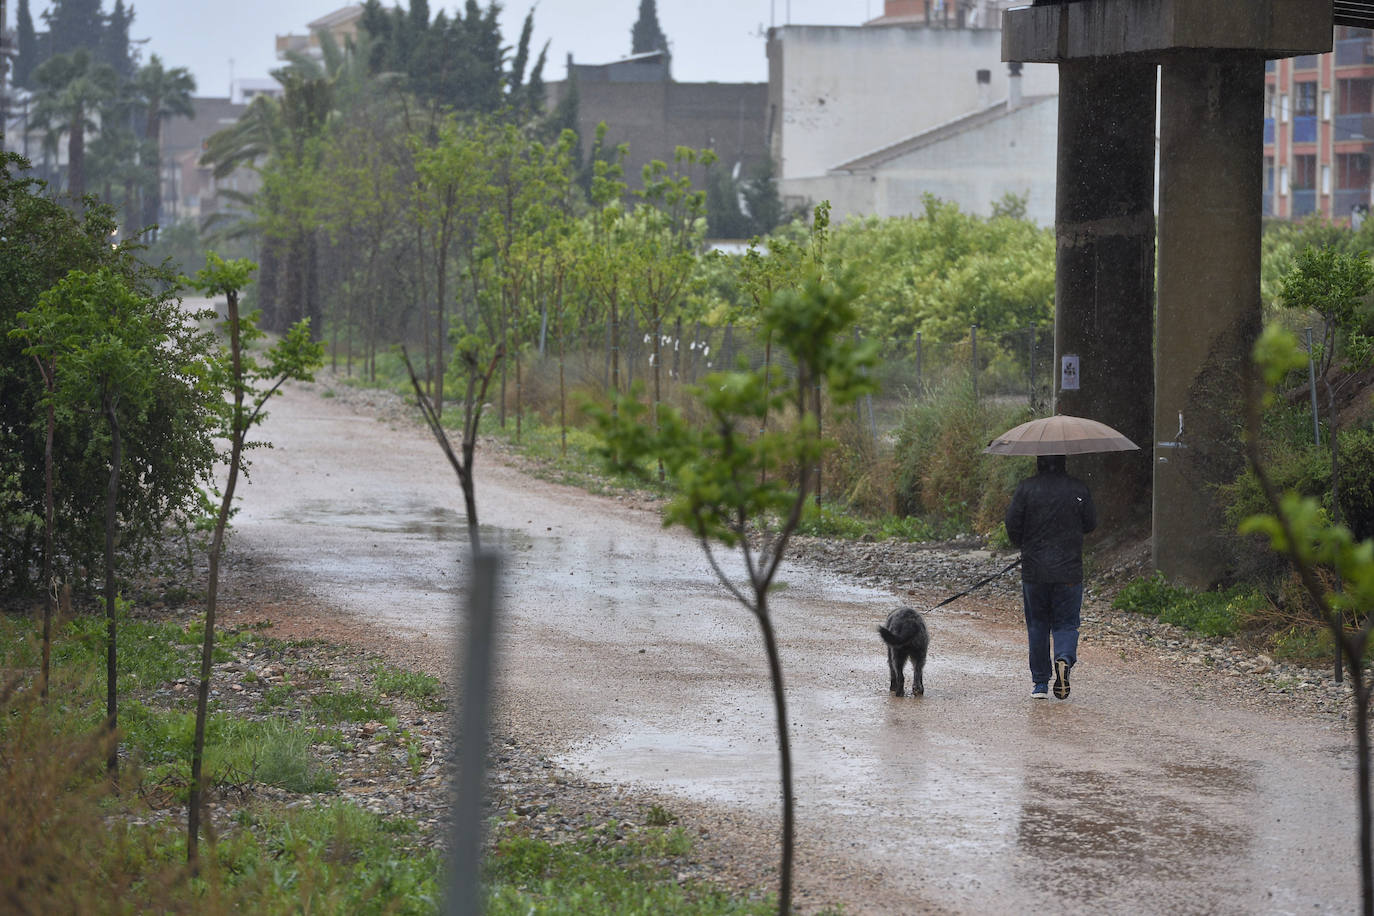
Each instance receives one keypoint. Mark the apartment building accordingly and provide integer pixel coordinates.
(1319, 130)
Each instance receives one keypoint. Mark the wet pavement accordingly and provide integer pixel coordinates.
(1142, 793)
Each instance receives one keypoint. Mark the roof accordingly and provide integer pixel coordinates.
(1359, 13)
(937, 133)
(338, 17)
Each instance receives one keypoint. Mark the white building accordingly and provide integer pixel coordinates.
(872, 117)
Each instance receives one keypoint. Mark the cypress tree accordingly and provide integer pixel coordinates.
(29, 55)
(74, 24)
(646, 34)
(114, 49)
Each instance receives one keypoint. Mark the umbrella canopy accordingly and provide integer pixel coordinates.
(1059, 435)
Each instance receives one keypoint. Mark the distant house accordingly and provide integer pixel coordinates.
(974, 161)
(342, 25)
(643, 107)
(916, 101)
(190, 191)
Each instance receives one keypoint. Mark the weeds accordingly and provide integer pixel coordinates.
(590, 875)
(1215, 613)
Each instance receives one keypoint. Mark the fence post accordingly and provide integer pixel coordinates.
(868, 403)
(470, 738)
(1312, 387)
(918, 362)
(973, 337)
(1031, 332)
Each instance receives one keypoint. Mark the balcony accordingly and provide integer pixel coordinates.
(1354, 52)
(1305, 129)
(1354, 127)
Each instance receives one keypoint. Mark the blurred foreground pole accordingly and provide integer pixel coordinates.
(464, 894)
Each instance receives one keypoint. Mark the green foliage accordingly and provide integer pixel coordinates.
(1216, 613)
(349, 706)
(591, 876)
(943, 475)
(40, 245)
(943, 271)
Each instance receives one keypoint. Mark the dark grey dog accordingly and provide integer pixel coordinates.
(907, 638)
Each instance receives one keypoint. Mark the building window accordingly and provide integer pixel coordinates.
(1283, 179)
(1269, 174)
(1305, 62)
(1326, 104)
(1352, 170)
(1305, 99)
(1326, 179)
(1283, 107)
(1304, 172)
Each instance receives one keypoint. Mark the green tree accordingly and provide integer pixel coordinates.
(163, 94)
(730, 484)
(40, 244)
(70, 89)
(74, 25)
(114, 48)
(1334, 286)
(122, 356)
(250, 384)
(1297, 527)
(646, 35)
(28, 55)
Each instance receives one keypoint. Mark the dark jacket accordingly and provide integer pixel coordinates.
(1047, 519)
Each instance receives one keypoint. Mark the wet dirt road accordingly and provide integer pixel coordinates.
(1142, 793)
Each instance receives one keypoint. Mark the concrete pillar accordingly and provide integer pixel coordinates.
(1104, 273)
(1209, 301)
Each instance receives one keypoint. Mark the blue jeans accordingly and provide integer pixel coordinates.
(1052, 611)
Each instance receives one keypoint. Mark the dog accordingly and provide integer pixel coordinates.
(907, 638)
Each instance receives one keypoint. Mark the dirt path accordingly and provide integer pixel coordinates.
(1146, 791)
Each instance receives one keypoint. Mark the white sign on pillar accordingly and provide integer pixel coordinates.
(1068, 373)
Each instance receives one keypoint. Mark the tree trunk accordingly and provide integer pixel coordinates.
(111, 623)
(207, 651)
(49, 586)
(770, 644)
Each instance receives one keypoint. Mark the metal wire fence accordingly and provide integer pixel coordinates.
(1011, 367)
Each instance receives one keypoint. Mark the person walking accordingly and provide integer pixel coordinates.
(1048, 516)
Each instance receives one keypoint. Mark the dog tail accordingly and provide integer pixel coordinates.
(888, 636)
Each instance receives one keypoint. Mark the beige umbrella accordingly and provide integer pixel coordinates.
(1059, 435)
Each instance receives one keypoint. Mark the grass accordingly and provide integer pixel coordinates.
(349, 706)
(1213, 613)
(413, 685)
(72, 845)
(599, 874)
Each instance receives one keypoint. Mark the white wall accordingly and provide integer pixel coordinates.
(974, 169)
(838, 92)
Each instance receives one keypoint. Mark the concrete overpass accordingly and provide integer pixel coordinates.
(1172, 384)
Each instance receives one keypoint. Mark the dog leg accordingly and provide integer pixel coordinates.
(895, 663)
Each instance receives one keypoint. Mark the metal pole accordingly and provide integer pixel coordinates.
(973, 338)
(1312, 387)
(1031, 332)
(464, 896)
(918, 362)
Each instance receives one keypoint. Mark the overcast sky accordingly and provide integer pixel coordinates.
(711, 39)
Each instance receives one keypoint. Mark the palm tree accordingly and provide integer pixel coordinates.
(164, 94)
(70, 88)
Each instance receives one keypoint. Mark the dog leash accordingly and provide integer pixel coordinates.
(980, 583)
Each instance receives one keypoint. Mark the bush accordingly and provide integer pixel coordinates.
(1216, 613)
(942, 472)
(1357, 482)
